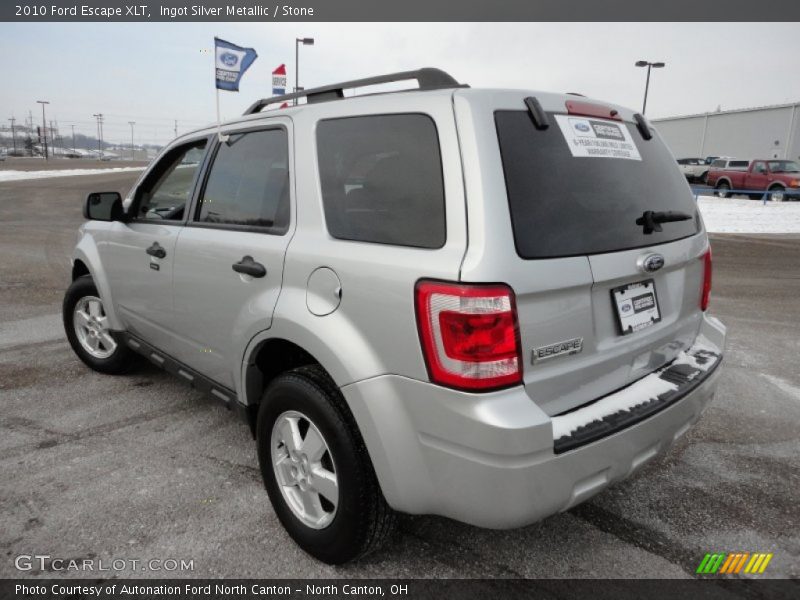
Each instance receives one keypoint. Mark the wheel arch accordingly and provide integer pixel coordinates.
(86, 261)
(79, 269)
(723, 180)
(292, 342)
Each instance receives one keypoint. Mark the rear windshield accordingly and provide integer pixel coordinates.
(565, 205)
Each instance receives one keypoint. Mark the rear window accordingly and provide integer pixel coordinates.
(381, 179)
(563, 205)
(739, 164)
(718, 164)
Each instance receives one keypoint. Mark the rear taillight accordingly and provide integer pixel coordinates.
(706, 280)
(469, 334)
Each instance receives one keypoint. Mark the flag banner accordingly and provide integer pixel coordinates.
(231, 63)
(279, 81)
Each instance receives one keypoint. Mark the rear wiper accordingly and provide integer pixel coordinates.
(651, 220)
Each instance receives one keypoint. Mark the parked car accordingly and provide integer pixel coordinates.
(694, 169)
(420, 301)
(779, 178)
(727, 163)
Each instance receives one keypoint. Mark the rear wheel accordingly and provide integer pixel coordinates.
(723, 190)
(777, 193)
(316, 469)
(88, 332)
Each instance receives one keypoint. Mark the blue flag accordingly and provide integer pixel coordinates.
(231, 63)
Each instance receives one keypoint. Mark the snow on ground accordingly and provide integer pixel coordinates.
(739, 215)
(20, 175)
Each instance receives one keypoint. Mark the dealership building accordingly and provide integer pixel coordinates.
(762, 132)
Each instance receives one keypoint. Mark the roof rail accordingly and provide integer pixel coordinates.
(427, 78)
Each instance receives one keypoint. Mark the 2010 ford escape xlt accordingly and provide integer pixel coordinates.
(482, 304)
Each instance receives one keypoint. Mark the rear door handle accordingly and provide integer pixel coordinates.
(249, 267)
(156, 250)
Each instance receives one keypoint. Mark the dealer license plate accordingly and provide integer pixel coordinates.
(637, 306)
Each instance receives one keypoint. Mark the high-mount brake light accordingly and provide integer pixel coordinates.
(469, 335)
(591, 109)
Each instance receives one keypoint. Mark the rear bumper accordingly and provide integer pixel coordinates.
(490, 459)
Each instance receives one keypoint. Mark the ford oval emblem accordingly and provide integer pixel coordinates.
(582, 127)
(229, 59)
(652, 263)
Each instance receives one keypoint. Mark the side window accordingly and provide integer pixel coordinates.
(248, 183)
(166, 191)
(718, 164)
(760, 167)
(381, 179)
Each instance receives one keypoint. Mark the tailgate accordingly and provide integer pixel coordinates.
(584, 195)
(574, 350)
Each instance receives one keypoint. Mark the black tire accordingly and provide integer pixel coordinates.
(121, 360)
(362, 521)
(723, 190)
(780, 191)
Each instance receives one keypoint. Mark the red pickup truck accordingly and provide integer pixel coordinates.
(779, 177)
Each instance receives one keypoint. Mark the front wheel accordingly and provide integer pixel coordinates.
(316, 469)
(86, 326)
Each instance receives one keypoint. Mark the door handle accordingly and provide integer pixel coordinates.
(250, 267)
(156, 250)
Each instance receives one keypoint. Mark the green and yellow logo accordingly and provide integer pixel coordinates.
(720, 563)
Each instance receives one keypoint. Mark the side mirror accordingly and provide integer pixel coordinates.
(104, 206)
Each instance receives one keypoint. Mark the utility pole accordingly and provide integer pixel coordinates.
(176, 127)
(30, 129)
(73, 139)
(13, 135)
(131, 123)
(99, 117)
(44, 126)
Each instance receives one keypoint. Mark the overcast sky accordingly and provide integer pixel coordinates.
(153, 73)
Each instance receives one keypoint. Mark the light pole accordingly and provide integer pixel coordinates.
(44, 126)
(131, 123)
(297, 42)
(73, 139)
(13, 136)
(649, 65)
(99, 117)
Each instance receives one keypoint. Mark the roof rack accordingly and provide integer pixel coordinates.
(427, 78)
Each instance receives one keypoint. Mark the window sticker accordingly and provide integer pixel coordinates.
(596, 138)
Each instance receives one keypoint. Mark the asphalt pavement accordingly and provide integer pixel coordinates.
(142, 467)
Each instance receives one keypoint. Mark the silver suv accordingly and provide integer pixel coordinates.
(482, 304)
